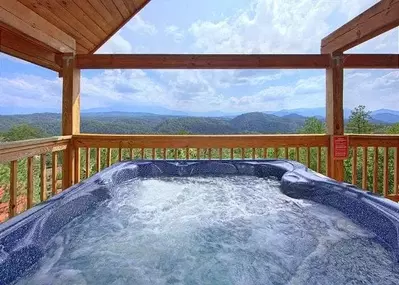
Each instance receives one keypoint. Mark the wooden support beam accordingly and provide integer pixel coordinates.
(378, 19)
(70, 114)
(16, 17)
(371, 61)
(17, 46)
(225, 61)
(335, 112)
(201, 61)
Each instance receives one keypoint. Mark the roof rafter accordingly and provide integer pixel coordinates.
(378, 19)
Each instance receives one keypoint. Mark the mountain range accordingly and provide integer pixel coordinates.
(378, 116)
(120, 122)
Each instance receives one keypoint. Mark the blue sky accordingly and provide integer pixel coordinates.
(209, 26)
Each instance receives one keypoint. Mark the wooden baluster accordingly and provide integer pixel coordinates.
(132, 153)
(176, 154)
(109, 156)
(386, 176)
(198, 153)
(253, 153)
(297, 154)
(354, 166)
(318, 166)
(232, 153)
(375, 171)
(265, 152)
(396, 174)
(77, 165)
(153, 153)
(220, 153)
(98, 159)
(54, 172)
(87, 162)
(242, 153)
(43, 178)
(142, 153)
(308, 157)
(328, 163)
(12, 207)
(276, 152)
(209, 153)
(29, 182)
(164, 153)
(120, 154)
(286, 152)
(364, 175)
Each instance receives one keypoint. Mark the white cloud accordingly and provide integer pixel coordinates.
(176, 33)
(30, 91)
(268, 26)
(138, 25)
(116, 44)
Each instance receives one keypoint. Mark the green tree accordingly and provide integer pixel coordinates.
(313, 126)
(359, 121)
(394, 129)
(23, 132)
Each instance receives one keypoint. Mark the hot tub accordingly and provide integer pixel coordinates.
(204, 222)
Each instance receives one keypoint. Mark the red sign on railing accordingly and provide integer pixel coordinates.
(340, 147)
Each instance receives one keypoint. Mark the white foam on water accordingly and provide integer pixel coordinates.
(225, 230)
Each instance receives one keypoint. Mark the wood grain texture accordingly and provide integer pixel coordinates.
(375, 170)
(198, 141)
(43, 178)
(29, 182)
(19, 18)
(334, 111)
(83, 45)
(354, 166)
(12, 207)
(70, 97)
(88, 162)
(20, 47)
(98, 159)
(22, 149)
(54, 172)
(364, 169)
(386, 172)
(376, 20)
(201, 61)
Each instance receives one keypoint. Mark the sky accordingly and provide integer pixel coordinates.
(209, 26)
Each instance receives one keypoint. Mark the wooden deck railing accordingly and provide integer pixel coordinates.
(34, 169)
(99, 151)
(31, 171)
(374, 164)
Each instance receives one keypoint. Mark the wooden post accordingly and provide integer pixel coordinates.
(70, 114)
(335, 111)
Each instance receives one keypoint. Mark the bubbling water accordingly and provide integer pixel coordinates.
(220, 230)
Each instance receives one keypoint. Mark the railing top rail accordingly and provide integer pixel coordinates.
(199, 141)
(33, 142)
(21, 149)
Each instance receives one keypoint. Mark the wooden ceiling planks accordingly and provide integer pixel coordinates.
(20, 19)
(83, 17)
(82, 44)
(90, 22)
(110, 6)
(102, 10)
(92, 12)
(138, 4)
(122, 8)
